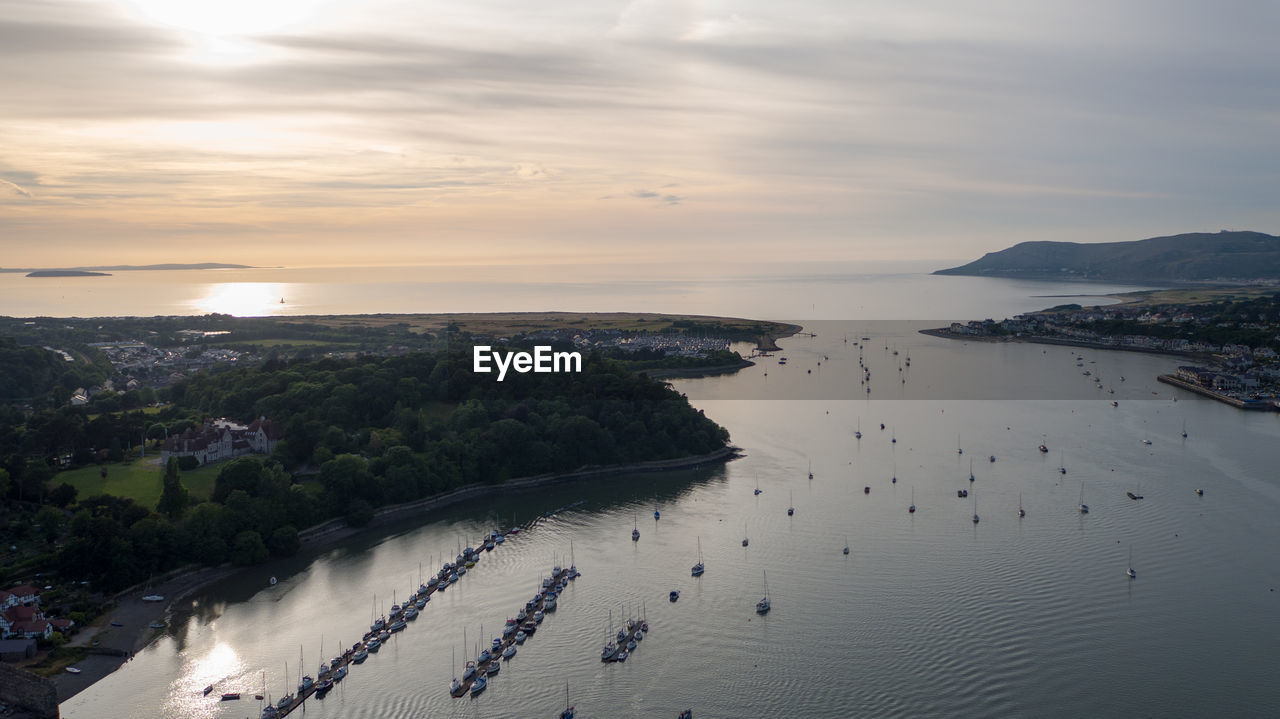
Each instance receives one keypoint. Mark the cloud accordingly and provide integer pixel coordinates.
(940, 125)
(666, 199)
(14, 187)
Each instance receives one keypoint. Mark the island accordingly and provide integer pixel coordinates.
(67, 273)
(81, 271)
(1197, 257)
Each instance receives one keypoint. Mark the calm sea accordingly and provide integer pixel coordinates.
(928, 615)
(872, 291)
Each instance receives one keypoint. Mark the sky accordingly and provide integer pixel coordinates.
(334, 132)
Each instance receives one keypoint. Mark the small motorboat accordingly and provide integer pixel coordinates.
(206, 689)
(675, 594)
(73, 670)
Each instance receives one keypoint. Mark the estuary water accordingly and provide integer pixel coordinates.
(929, 614)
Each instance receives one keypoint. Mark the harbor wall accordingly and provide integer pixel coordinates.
(30, 695)
(1256, 405)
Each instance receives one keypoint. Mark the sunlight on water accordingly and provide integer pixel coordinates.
(221, 668)
(243, 299)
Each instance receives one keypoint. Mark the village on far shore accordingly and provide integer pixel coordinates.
(1233, 341)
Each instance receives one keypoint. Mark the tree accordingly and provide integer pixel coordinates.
(174, 498)
(50, 521)
(4, 483)
(116, 452)
(284, 541)
(31, 483)
(359, 513)
(248, 548)
(60, 496)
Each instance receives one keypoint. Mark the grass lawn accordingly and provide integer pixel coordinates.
(139, 480)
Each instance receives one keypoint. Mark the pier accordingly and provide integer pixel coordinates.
(1258, 405)
(380, 632)
(627, 640)
(546, 600)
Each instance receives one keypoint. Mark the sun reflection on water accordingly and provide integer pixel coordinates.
(222, 669)
(243, 299)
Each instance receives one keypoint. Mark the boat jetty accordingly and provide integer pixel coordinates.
(619, 647)
(398, 620)
(516, 631)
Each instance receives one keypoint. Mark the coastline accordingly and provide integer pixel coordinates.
(692, 372)
(944, 333)
(117, 645)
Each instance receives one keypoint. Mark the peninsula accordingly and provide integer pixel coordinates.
(1232, 339)
(83, 271)
(1197, 257)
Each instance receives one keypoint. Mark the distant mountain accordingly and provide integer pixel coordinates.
(66, 273)
(128, 268)
(1192, 257)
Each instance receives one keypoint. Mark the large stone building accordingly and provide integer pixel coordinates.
(220, 439)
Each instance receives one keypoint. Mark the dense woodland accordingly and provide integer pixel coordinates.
(359, 434)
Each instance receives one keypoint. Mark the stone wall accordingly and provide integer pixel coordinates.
(27, 693)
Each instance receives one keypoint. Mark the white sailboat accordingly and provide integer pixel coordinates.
(1129, 572)
(810, 469)
(959, 448)
(857, 434)
(698, 568)
(1021, 512)
(1084, 508)
(1062, 462)
(975, 506)
(912, 508)
(970, 470)
(635, 533)
(846, 544)
(791, 509)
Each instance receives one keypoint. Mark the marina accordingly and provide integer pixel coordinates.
(1070, 568)
(384, 627)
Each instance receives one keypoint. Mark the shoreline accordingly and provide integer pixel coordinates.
(944, 333)
(694, 372)
(117, 645)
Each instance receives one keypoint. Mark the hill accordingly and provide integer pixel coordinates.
(1191, 257)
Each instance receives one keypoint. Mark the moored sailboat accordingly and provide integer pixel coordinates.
(764, 605)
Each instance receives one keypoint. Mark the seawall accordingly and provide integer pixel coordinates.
(30, 695)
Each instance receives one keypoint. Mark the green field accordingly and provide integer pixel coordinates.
(139, 480)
